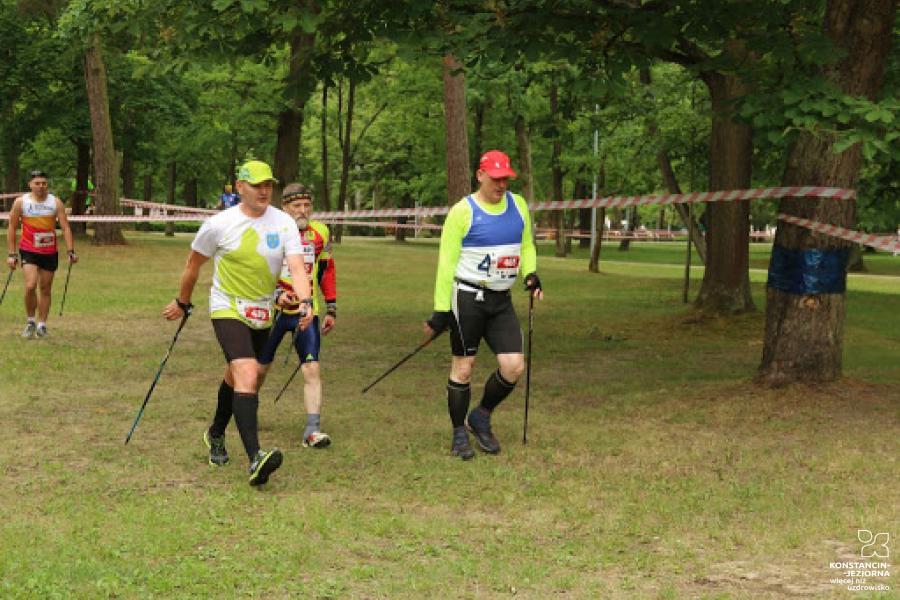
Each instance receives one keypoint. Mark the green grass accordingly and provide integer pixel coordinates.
(655, 468)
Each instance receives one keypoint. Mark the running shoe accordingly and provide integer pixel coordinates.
(30, 328)
(461, 446)
(264, 465)
(218, 455)
(479, 423)
(317, 439)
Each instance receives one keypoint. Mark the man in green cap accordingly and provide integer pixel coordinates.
(249, 242)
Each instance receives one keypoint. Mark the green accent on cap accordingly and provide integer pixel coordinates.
(255, 171)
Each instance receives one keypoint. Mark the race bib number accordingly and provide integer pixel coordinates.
(44, 239)
(500, 267)
(256, 312)
(309, 258)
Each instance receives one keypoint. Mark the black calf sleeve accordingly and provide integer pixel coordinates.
(245, 407)
(495, 390)
(223, 410)
(458, 396)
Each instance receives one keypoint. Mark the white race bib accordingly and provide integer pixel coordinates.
(257, 312)
(44, 239)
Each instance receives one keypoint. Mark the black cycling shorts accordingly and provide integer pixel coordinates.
(239, 340)
(47, 262)
(488, 315)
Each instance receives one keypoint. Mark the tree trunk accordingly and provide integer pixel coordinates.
(726, 279)
(148, 188)
(190, 192)
(594, 263)
(525, 171)
(345, 157)
(127, 174)
(805, 333)
(625, 245)
(290, 120)
(668, 175)
(106, 199)
(324, 191)
(457, 136)
(9, 149)
(477, 150)
(557, 173)
(170, 196)
(82, 175)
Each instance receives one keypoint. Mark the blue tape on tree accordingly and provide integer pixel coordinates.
(804, 272)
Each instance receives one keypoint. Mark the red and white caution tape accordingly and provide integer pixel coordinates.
(622, 201)
(882, 242)
(128, 218)
(166, 207)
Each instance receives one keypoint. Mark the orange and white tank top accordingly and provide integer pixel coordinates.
(39, 225)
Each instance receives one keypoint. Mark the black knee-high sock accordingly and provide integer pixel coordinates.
(245, 407)
(458, 396)
(495, 390)
(223, 410)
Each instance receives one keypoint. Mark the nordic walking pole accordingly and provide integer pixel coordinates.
(294, 374)
(187, 312)
(528, 364)
(403, 360)
(8, 279)
(66, 288)
(294, 339)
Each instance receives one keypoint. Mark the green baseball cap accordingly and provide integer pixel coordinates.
(255, 171)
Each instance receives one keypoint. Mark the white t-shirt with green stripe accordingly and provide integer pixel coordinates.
(248, 255)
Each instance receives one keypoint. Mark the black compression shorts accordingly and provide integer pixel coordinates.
(488, 315)
(47, 262)
(239, 340)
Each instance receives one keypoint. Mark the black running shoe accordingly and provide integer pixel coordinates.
(461, 446)
(479, 423)
(218, 455)
(264, 465)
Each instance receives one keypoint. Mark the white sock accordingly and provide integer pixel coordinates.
(41, 324)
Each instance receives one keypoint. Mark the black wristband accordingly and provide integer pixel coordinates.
(439, 320)
(186, 307)
(13, 255)
(331, 309)
(532, 282)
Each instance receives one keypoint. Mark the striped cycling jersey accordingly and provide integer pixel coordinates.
(484, 244)
(316, 243)
(39, 225)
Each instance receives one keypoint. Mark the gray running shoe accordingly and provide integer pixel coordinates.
(479, 423)
(264, 465)
(30, 328)
(218, 455)
(41, 331)
(461, 446)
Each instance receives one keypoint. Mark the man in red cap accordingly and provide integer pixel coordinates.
(487, 240)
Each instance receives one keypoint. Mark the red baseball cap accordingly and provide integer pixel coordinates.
(496, 165)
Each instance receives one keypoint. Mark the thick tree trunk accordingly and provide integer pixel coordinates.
(324, 191)
(457, 135)
(290, 120)
(345, 157)
(633, 222)
(106, 199)
(82, 175)
(805, 333)
(726, 279)
(524, 169)
(170, 195)
(668, 175)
